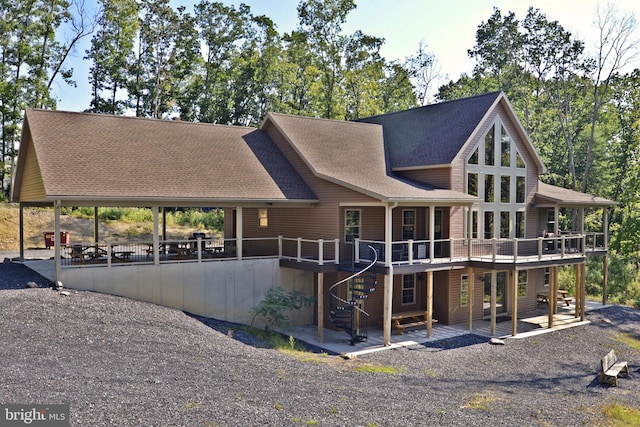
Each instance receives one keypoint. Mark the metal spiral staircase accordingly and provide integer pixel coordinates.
(345, 310)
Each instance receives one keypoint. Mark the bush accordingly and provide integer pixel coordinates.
(277, 301)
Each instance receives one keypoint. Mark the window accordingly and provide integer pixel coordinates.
(473, 160)
(519, 162)
(472, 184)
(488, 225)
(546, 277)
(464, 290)
(522, 283)
(488, 188)
(519, 225)
(408, 224)
(263, 218)
(408, 289)
(505, 189)
(505, 154)
(352, 225)
(474, 224)
(489, 147)
(504, 225)
(520, 189)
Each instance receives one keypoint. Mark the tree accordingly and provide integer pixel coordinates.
(424, 71)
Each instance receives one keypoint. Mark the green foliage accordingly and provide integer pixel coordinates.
(210, 220)
(620, 415)
(278, 301)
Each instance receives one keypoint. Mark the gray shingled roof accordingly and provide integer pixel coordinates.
(95, 156)
(433, 134)
(563, 196)
(351, 154)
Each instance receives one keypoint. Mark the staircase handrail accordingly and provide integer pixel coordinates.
(375, 259)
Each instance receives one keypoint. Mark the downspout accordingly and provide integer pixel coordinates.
(388, 278)
(56, 241)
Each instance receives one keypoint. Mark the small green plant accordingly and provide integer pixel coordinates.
(379, 369)
(193, 405)
(481, 401)
(278, 406)
(278, 301)
(621, 415)
(628, 340)
(429, 372)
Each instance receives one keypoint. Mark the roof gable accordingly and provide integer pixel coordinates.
(105, 157)
(352, 155)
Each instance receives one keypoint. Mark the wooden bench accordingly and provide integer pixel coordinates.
(611, 368)
(409, 319)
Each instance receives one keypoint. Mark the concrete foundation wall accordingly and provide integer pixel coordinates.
(223, 290)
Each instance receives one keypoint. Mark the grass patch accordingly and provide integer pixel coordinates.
(481, 401)
(621, 415)
(627, 339)
(379, 369)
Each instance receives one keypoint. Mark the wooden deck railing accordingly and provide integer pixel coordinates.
(328, 251)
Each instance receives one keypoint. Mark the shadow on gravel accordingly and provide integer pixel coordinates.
(451, 343)
(18, 276)
(252, 336)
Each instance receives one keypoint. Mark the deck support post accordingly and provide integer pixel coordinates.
(95, 225)
(553, 294)
(21, 232)
(239, 232)
(321, 307)
(56, 240)
(388, 304)
(494, 290)
(156, 235)
(470, 299)
(583, 286)
(514, 303)
(429, 303)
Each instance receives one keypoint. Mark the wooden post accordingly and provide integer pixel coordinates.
(388, 304)
(21, 232)
(156, 237)
(470, 300)
(553, 294)
(429, 302)
(494, 286)
(321, 307)
(56, 240)
(605, 279)
(95, 225)
(578, 272)
(583, 289)
(514, 314)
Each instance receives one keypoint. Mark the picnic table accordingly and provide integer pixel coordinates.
(543, 296)
(409, 319)
(79, 252)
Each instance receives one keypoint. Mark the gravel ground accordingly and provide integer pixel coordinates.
(122, 362)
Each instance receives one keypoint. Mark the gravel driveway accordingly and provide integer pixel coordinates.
(122, 362)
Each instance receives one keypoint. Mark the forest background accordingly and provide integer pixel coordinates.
(219, 63)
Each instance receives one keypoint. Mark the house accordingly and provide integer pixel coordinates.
(437, 210)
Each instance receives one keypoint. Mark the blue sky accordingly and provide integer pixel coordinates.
(447, 28)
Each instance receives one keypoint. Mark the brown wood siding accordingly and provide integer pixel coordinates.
(437, 177)
(441, 297)
(31, 187)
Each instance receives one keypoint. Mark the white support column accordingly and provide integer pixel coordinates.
(156, 235)
(56, 240)
(321, 307)
(388, 278)
(514, 304)
(429, 303)
(432, 233)
(239, 233)
(469, 230)
(470, 299)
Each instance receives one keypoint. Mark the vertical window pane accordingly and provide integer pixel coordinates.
(505, 189)
(489, 147)
(520, 189)
(504, 225)
(505, 155)
(352, 225)
(408, 289)
(408, 224)
(488, 189)
(520, 225)
(472, 184)
(473, 160)
(464, 290)
(474, 224)
(522, 283)
(519, 161)
(263, 218)
(488, 225)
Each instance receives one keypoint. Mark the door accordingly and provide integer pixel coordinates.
(500, 297)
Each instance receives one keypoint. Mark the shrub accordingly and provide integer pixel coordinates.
(277, 301)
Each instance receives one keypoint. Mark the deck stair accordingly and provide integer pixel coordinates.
(347, 295)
